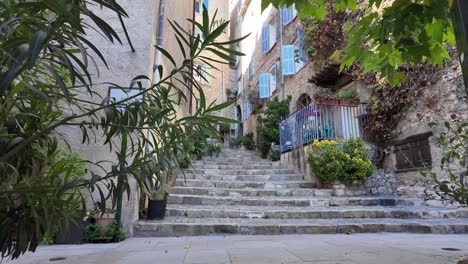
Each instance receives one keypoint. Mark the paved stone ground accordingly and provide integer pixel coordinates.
(380, 248)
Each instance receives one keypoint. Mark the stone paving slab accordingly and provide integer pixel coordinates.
(324, 249)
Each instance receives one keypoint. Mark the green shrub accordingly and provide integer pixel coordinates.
(247, 141)
(275, 155)
(224, 129)
(346, 161)
(269, 133)
(347, 94)
(212, 149)
(115, 232)
(92, 231)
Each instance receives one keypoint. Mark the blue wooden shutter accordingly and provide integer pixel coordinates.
(288, 60)
(287, 15)
(197, 6)
(205, 2)
(265, 39)
(300, 44)
(264, 85)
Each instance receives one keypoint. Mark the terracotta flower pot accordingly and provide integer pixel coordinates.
(104, 219)
(349, 102)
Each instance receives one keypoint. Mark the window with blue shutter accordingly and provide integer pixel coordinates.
(197, 6)
(205, 3)
(287, 13)
(264, 85)
(288, 60)
(300, 45)
(265, 39)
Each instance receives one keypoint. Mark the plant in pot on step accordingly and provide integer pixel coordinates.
(163, 182)
(100, 215)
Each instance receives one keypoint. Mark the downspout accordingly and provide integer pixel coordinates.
(191, 68)
(159, 42)
(157, 56)
(283, 93)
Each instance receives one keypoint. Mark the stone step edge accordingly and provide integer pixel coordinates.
(345, 212)
(331, 226)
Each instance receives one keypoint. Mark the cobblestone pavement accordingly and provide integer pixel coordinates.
(380, 248)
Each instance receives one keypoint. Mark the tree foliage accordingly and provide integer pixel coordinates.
(269, 128)
(389, 34)
(46, 85)
(454, 162)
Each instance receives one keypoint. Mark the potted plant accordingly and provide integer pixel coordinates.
(213, 150)
(157, 203)
(348, 97)
(102, 216)
(198, 149)
(326, 101)
(246, 141)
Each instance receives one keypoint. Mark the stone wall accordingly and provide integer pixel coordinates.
(296, 159)
(437, 103)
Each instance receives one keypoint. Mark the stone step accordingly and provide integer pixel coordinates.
(251, 178)
(290, 201)
(239, 172)
(325, 212)
(237, 167)
(244, 184)
(247, 162)
(182, 226)
(251, 191)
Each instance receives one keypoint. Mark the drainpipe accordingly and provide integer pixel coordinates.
(159, 42)
(157, 57)
(283, 94)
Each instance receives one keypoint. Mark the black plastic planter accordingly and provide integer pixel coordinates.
(157, 209)
(74, 234)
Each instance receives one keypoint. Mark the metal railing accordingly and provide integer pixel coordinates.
(318, 122)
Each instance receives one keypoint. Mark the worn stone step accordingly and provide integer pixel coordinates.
(244, 184)
(183, 226)
(247, 162)
(239, 172)
(290, 201)
(253, 178)
(250, 191)
(238, 167)
(325, 212)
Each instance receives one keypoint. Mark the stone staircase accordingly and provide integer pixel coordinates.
(240, 193)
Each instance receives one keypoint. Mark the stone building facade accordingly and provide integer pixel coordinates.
(143, 25)
(438, 101)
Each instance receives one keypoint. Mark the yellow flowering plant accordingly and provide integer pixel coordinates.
(343, 160)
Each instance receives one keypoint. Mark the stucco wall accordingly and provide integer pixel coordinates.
(124, 65)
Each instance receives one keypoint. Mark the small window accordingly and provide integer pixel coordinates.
(273, 72)
(287, 52)
(288, 13)
(197, 6)
(251, 69)
(269, 35)
(413, 153)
